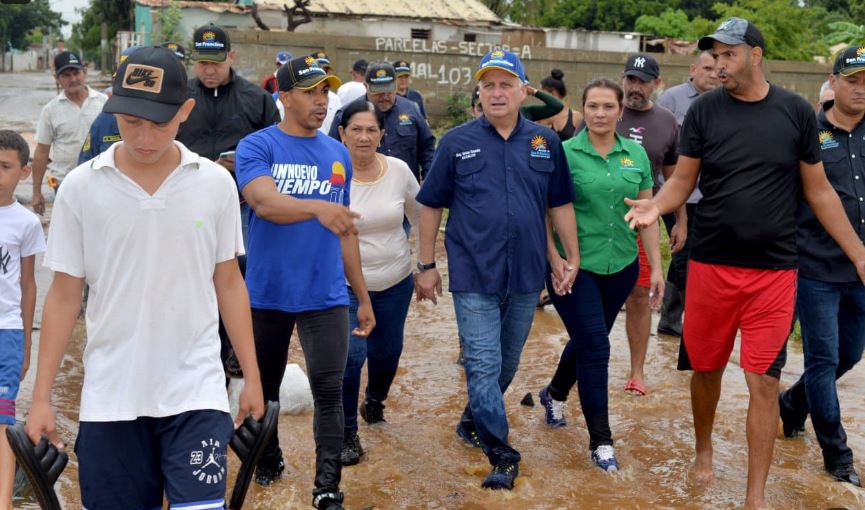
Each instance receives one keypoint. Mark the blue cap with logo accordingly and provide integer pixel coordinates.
(283, 57)
(500, 59)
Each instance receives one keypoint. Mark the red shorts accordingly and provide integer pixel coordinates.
(645, 278)
(719, 300)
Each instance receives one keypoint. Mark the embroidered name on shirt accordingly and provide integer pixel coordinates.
(540, 147)
(464, 155)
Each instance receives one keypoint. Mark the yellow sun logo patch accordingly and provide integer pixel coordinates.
(381, 73)
(403, 116)
(627, 162)
(826, 137)
(208, 36)
(539, 143)
(860, 51)
(497, 54)
(309, 61)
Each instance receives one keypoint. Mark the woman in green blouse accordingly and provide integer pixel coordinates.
(605, 169)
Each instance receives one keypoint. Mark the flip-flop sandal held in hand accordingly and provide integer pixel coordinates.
(637, 387)
(248, 442)
(42, 464)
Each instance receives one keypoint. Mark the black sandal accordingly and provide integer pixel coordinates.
(248, 442)
(42, 464)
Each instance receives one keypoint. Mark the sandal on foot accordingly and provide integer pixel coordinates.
(637, 387)
(42, 464)
(248, 442)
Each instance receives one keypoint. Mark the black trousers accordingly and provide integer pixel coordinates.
(324, 339)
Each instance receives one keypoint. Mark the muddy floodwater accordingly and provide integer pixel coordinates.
(415, 460)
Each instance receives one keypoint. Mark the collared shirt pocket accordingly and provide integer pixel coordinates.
(467, 174)
(583, 182)
(632, 182)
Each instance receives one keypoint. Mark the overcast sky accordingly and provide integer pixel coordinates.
(67, 9)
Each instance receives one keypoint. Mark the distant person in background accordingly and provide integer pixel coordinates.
(334, 103)
(63, 125)
(565, 122)
(403, 81)
(826, 94)
(269, 82)
(351, 90)
(60, 48)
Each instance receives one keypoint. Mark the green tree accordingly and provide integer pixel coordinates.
(16, 22)
(613, 15)
(671, 23)
(844, 32)
(169, 24)
(791, 31)
(87, 33)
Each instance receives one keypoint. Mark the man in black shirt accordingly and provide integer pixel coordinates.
(831, 299)
(751, 144)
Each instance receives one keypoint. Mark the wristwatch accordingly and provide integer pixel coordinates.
(421, 267)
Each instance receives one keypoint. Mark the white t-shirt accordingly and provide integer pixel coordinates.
(20, 236)
(351, 90)
(333, 106)
(152, 324)
(64, 125)
(384, 249)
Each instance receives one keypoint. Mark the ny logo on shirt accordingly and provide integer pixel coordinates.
(5, 257)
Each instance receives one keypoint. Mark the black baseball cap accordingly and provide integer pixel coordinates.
(210, 43)
(734, 31)
(381, 77)
(360, 66)
(642, 66)
(850, 61)
(304, 73)
(401, 67)
(150, 84)
(67, 60)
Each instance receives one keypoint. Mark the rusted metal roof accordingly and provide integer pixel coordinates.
(466, 11)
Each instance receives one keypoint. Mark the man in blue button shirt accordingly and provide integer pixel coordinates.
(499, 175)
(407, 135)
(831, 300)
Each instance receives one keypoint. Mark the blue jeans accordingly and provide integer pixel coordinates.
(589, 313)
(381, 350)
(493, 328)
(832, 317)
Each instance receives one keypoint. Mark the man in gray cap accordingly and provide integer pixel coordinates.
(755, 149)
(407, 135)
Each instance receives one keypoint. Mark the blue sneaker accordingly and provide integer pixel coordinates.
(470, 437)
(554, 410)
(604, 457)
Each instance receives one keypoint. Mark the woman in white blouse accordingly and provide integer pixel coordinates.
(383, 191)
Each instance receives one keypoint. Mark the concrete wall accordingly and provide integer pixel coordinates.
(445, 68)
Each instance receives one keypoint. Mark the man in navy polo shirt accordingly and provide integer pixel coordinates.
(499, 175)
(407, 135)
(831, 300)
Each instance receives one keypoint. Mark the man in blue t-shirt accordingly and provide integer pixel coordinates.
(302, 248)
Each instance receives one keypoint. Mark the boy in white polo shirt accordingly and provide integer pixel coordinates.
(154, 230)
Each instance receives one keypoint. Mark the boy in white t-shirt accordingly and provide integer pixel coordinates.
(21, 238)
(154, 230)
